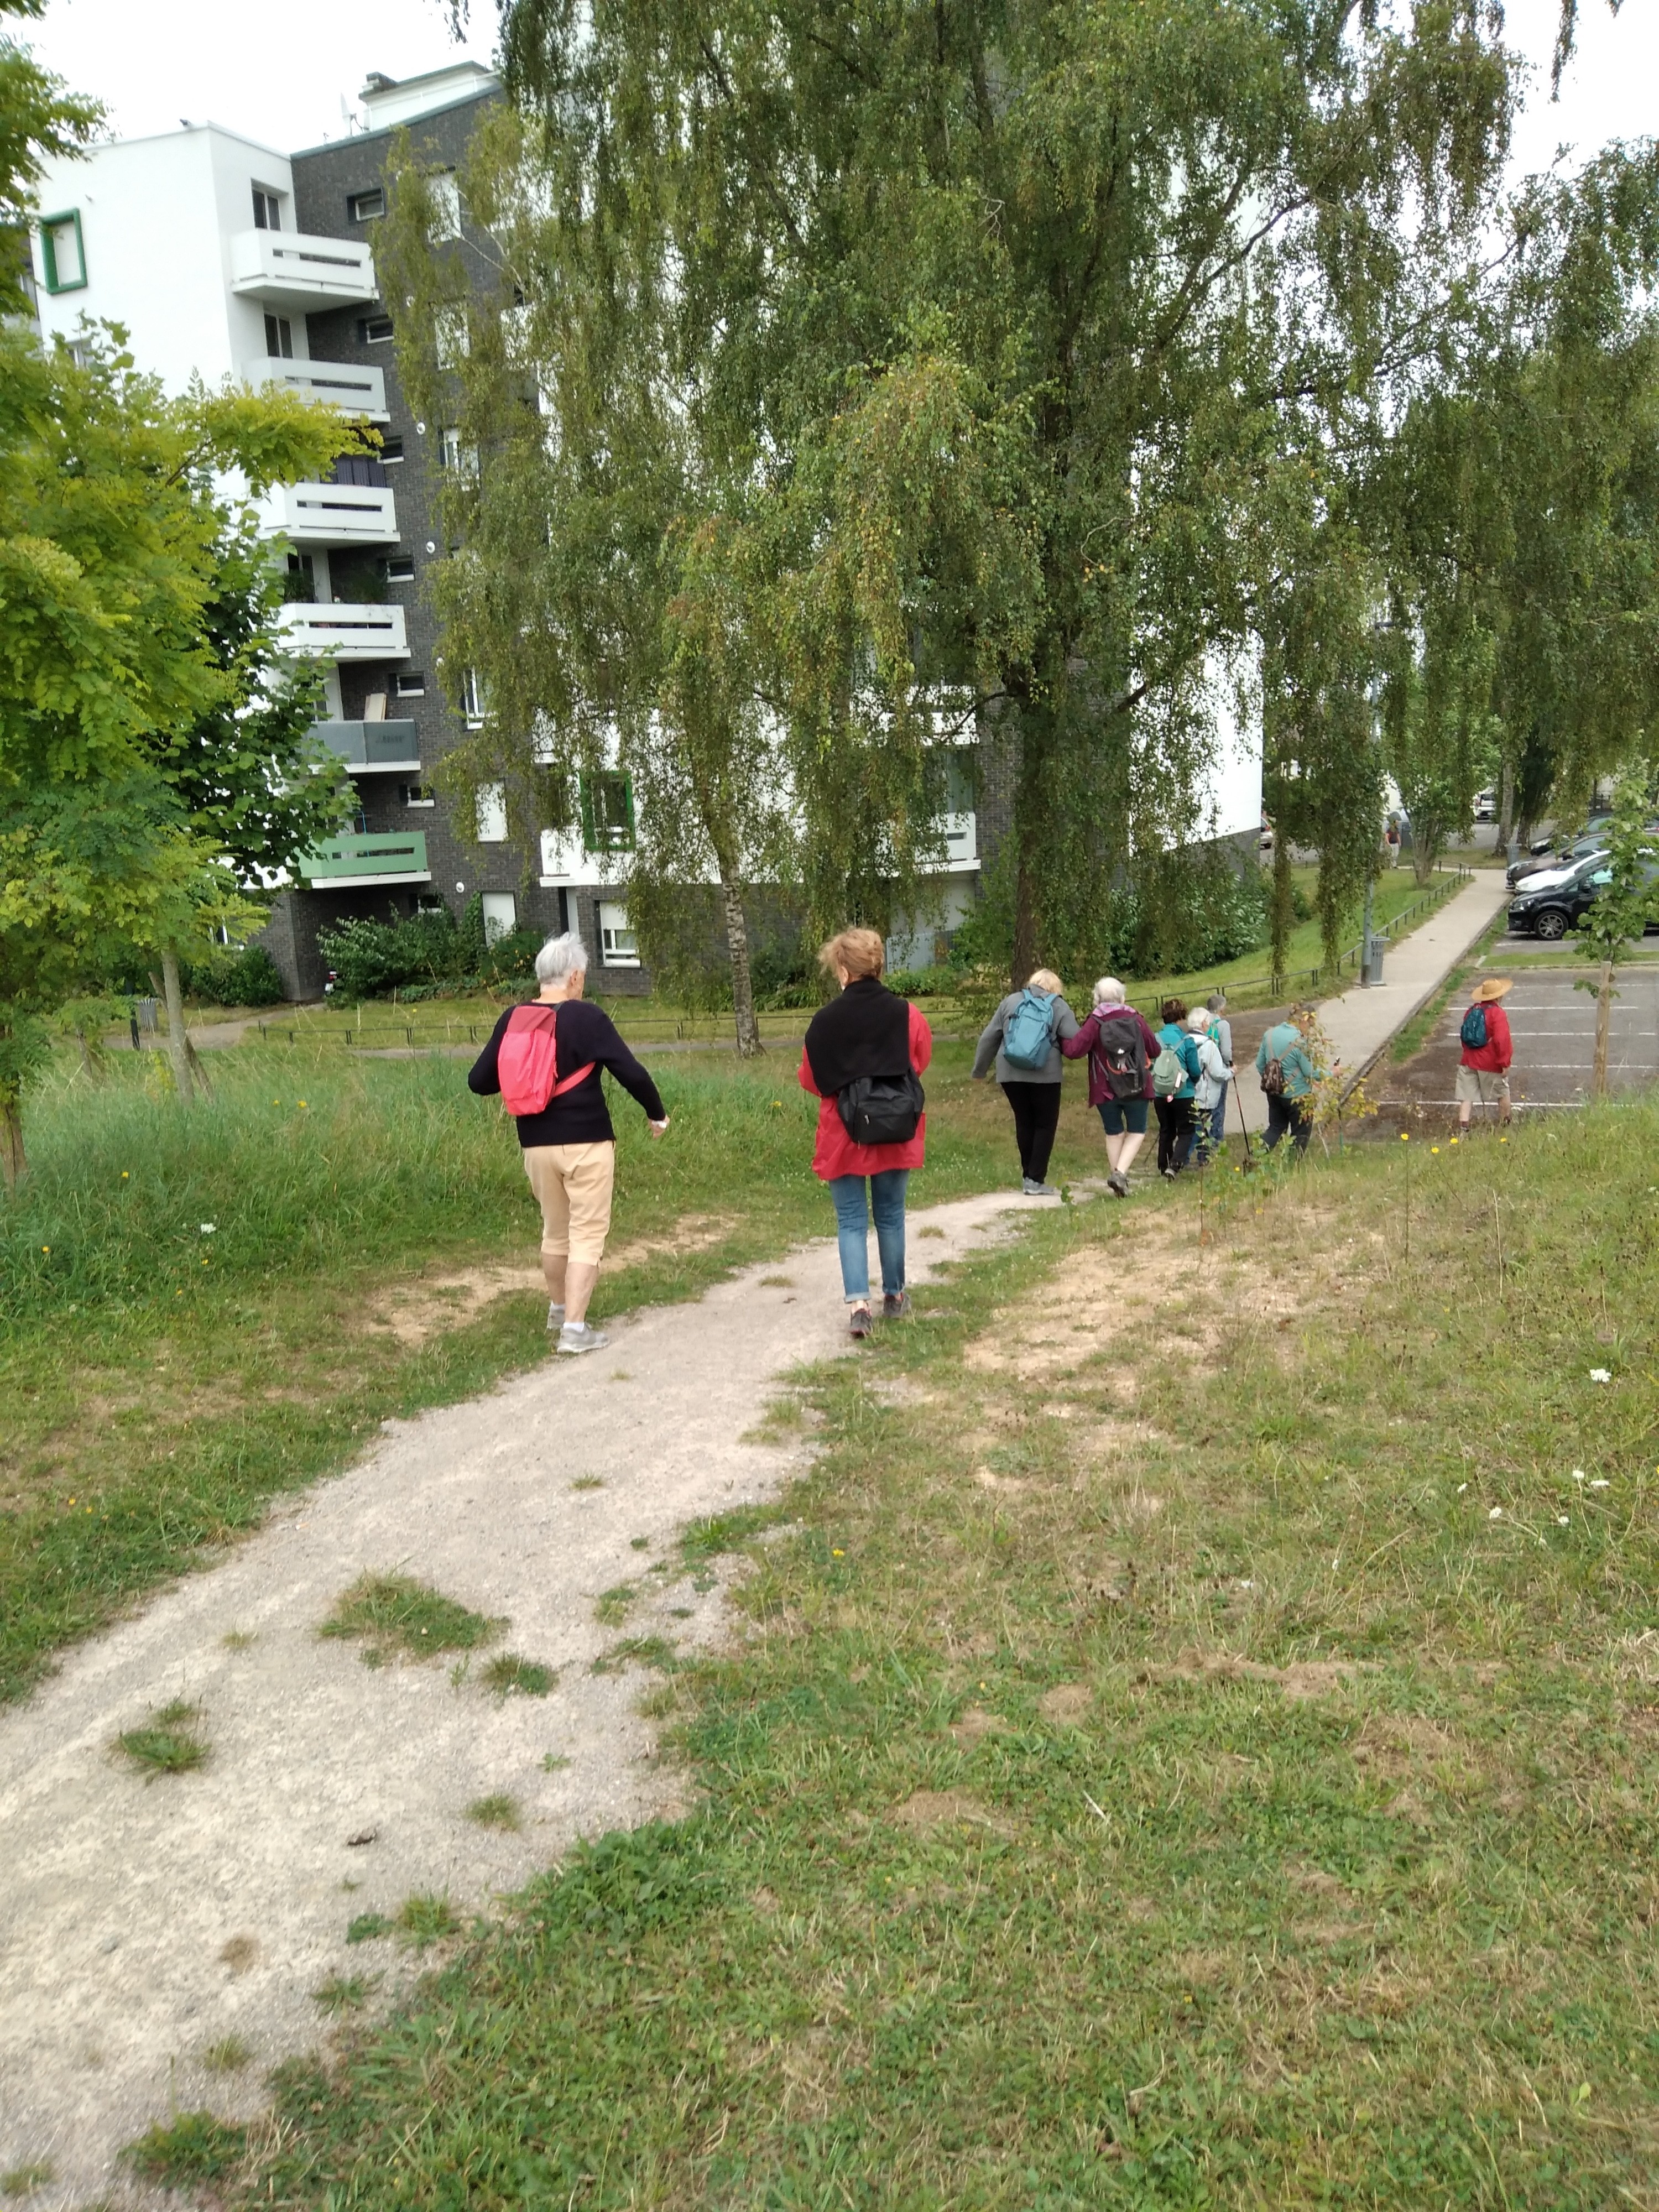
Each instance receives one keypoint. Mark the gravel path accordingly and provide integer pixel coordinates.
(145, 1923)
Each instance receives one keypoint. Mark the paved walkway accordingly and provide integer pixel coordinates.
(1361, 1021)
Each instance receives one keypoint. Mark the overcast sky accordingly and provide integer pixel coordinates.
(280, 74)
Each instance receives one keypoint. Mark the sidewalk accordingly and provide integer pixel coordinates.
(1360, 1021)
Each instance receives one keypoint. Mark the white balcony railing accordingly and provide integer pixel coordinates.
(293, 269)
(346, 632)
(339, 384)
(330, 514)
(960, 836)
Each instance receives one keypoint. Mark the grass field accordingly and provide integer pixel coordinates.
(197, 1311)
(1198, 1746)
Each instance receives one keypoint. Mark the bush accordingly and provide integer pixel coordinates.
(247, 978)
(370, 957)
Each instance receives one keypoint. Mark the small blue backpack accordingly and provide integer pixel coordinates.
(1028, 1034)
(1472, 1034)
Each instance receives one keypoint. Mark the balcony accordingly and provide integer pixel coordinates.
(960, 836)
(396, 856)
(329, 383)
(346, 632)
(372, 748)
(330, 514)
(288, 269)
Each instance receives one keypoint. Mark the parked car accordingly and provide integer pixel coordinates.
(1549, 909)
(1485, 807)
(1581, 849)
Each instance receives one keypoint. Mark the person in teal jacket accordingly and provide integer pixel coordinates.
(1289, 1104)
(1177, 1114)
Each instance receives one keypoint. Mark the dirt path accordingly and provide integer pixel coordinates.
(148, 1928)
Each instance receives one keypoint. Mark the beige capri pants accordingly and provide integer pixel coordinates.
(573, 1185)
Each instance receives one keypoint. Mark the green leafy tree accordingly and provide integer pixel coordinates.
(40, 118)
(1626, 902)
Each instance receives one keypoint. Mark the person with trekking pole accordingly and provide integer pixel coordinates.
(1488, 1048)
(1119, 1046)
(865, 1055)
(1026, 1036)
(1209, 1082)
(1175, 1077)
(1287, 1080)
(546, 1058)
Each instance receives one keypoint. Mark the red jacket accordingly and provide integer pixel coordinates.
(835, 1153)
(1494, 1056)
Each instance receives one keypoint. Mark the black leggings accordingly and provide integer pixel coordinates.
(1288, 1117)
(1175, 1131)
(1036, 1117)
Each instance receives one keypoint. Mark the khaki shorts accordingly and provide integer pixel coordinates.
(572, 1184)
(1482, 1086)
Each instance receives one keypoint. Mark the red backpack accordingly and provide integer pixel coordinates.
(528, 1062)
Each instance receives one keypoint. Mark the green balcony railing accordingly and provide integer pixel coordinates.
(365, 857)
(372, 744)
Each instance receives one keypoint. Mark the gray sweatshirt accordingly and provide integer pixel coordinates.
(990, 1043)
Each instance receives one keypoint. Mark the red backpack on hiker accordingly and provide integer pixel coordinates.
(527, 1064)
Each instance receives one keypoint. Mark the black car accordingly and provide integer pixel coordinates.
(1552, 910)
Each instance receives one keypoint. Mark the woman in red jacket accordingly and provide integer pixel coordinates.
(867, 1032)
(1483, 1074)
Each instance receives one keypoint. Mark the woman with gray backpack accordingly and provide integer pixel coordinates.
(1024, 1037)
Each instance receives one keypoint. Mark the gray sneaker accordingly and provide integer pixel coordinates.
(576, 1336)
(1040, 1190)
(555, 1314)
(1118, 1185)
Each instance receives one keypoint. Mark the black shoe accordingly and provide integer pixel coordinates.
(859, 1321)
(895, 1306)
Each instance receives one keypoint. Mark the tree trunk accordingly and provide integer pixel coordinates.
(1506, 808)
(742, 986)
(1422, 862)
(177, 1044)
(1281, 913)
(12, 1162)
(1603, 1025)
(1024, 958)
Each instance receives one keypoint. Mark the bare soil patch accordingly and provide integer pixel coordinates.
(926, 1810)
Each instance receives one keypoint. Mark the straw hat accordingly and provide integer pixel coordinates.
(1490, 988)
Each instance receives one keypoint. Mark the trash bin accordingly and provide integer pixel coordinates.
(1371, 970)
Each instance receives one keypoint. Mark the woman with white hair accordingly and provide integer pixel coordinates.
(1210, 1083)
(545, 1059)
(1120, 1048)
(1025, 1037)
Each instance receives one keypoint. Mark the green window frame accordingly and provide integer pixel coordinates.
(49, 224)
(607, 812)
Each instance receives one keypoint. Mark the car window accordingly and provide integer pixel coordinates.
(1601, 876)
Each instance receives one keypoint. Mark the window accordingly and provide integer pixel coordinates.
(417, 794)
(363, 207)
(279, 337)
(391, 451)
(618, 946)
(607, 813)
(475, 702)
(492, 814)
(267, 209)
(410, 682)
(375, 330)
(63, 251)
(399, 569)
(454, 452)
(445, 204)
(301, 586)
(452, 337)
(501, 915)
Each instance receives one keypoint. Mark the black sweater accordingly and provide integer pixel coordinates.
(579, 1115)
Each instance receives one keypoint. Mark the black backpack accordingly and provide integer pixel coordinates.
(1123, 1056)
(882, 1110)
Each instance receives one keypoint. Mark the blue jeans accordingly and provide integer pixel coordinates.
(853, 1230)
(1219, 1119)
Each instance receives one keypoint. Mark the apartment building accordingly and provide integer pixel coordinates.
(221, 256)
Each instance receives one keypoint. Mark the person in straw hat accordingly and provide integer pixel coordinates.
(1483, 1075)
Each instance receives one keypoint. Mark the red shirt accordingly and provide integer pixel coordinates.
(1493, 1056)
(836, 1154)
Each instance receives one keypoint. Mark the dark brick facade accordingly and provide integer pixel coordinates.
(326, 181)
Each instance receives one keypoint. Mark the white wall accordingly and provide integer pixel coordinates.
(1231, 798)
(157, 216)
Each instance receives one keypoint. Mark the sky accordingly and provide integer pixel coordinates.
(287, 74)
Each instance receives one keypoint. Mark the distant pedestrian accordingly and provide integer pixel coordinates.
(865, 1053)
(545, 1059)
(1483, 1074)
(1221, 1031)
(1121, 1049)
(1209, 1080)
(1287, 1080)
(1391, 841)
(1025, 1036)
(1175, 1074)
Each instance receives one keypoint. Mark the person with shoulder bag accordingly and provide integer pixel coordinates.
(865, 1055)
(1287, 1080)
(1221, 1034)
(1026, 1036)
(1174, 1075)
(544, 1060)
(1121, 1047)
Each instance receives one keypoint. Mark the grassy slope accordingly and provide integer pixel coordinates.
(1012, 1888)
(159, 1385)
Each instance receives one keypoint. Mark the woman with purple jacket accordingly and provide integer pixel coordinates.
(1120, 1048)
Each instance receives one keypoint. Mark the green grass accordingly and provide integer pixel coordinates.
(394, 1615)
(1202, 1753)
(195, 2146)
(21, 2180)
(159, 1387)
(167, 1745)
(426, 1920)
(508, 1675)
(368, 1928)
(341, 1993)
(498, 1810)
(229, 2056)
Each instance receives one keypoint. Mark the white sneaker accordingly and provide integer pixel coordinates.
(555, 1314)
(576, 1336)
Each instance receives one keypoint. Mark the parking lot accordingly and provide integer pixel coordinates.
(1554, 1029)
